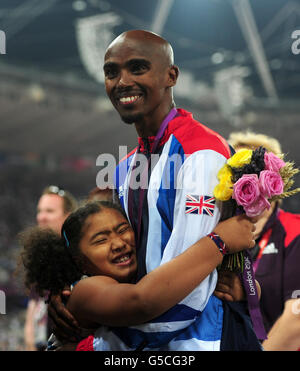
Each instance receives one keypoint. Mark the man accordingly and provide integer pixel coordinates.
(276, 256)
(53, 208)
(165, 187)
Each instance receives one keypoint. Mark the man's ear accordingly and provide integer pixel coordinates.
(173, 75)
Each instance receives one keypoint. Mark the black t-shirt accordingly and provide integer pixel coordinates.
(277, 265)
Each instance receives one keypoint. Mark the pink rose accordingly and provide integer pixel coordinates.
(257, 207)
(246, 190)
(272, 162)
(271, 183)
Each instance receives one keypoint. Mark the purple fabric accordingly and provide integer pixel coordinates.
(249, 284)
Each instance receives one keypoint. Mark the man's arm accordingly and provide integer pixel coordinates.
(192, 219)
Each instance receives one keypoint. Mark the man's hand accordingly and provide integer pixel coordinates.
(230, 288)
(68, 347)
(66, 328)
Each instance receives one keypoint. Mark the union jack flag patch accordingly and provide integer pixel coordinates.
(200, 205)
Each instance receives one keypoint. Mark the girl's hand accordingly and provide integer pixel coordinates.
(237, 232)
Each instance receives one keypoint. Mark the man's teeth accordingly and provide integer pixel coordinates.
(129, 99)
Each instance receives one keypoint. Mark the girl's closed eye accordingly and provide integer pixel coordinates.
(124, 228)
(100, 241)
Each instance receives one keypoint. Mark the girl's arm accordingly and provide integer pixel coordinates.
(102, 300)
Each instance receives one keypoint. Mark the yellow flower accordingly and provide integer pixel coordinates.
(223, 191)
(240, 158)
(225, 174)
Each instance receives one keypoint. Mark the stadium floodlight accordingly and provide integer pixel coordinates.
(231, 91)
(250, 32)
(161, 15)
(93, 36)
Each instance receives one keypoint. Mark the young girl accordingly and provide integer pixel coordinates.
(98, 243)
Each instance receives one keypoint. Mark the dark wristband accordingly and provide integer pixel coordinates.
(219, 242)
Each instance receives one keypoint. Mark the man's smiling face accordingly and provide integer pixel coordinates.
(136, 79)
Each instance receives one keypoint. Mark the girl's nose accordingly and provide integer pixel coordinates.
(118, 244)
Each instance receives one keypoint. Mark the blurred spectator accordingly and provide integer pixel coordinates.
(276, 260)
(53, 208)
(21, 185)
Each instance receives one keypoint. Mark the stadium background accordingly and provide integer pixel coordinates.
(238, 71)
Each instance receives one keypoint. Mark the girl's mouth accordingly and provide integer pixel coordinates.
(124, 259)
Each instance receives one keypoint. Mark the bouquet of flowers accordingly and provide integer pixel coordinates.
(252, 179)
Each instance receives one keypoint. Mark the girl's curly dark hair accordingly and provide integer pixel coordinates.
(51, 261)
(48, 265)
